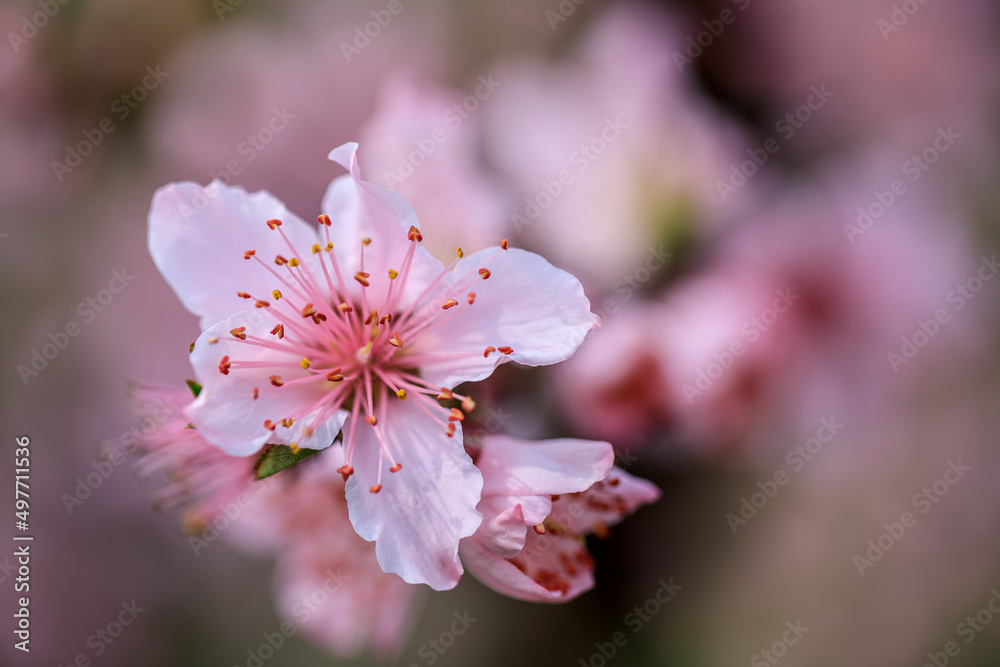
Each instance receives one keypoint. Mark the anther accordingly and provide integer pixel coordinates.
(393, 273)
(249, 253)
(458, 251)
(386, 318)
(324, 219)
(212, 340)
(260, 303)
(396, 341)
(449, 303)
(472, 298)
(335, 376)
(243, 295)
(316, 248)
(503, 244)
(372, 317)
(273, 223)
(402, 394)
(362, 278)
(366, 241)
(256, 393)
(329, 246)
(305, 363)
(540, 529)
(450, 431)
(239, 332)
(488, 350)
(345, 471)
(372, 420)
(276, 294)
(287, 423)
(278, 330)
(456, 415)
(468, 404)
(414, 234)
(396, 468)
(294, 447)
(485, 273)
(275, 380)
(294, 261)
(224, 365)
(376, 488)
(280, 260)
(270, 425)
(445, 394)
(505, 349)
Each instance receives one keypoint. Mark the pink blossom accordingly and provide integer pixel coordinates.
(562, 489)
(357, 327)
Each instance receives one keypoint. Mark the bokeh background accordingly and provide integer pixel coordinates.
(785, 212)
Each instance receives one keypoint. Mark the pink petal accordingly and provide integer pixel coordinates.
(197, 237)
(227, 415)
(606, 503)
(526, 304)
(550, 568)
(422, 511)
(513, 467)
(362, 210)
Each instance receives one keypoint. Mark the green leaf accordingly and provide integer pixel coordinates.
(276, 458)
(194, 386)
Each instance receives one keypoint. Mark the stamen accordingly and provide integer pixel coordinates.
(414, 234)
(260, 303)
(273, 223)
(224, 365)
(270, 425)
(540, 529)
(278, 330)
(275, 380)
(458, 251)
(504, 349)
(335, 376)
(485, 273)
(372, 419)
(362, 278)
(366, 241)
(276, 294)
(468, 404)
(396, 468)
(393, 273)
(239, 332)
(212, 340)
(376, 488)
(450, 431)
(256, 393)
(249, 253)
(345, 471)
(456, 415)
(345, 308)
(280, 260)
(472, 298)
(305, 363)
(324, 219)
(489, 350)
(449, 303)
(503, 244)
(287, 423)
(445, 395)
(396, 341)
(402, 394)
(243, 295)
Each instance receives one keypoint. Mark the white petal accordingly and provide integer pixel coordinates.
(197, 237)
(526, 304)
(422, 511)
(225, 412)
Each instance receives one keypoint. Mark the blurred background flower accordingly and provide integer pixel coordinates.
(783, 212)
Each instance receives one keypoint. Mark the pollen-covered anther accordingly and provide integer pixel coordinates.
(316, 248)
(335, 376)
(449, 303)
(294, 447)
(490, 349)
(247, 254)
(414, 234)
(256, 393)
(456, 415)
(472, 298)
(387, 318)
(485, 273)
(362, 278)
(345, 471)
(276, 294)
(305, 363)
(458, 251)
(328, 247)
(287, 423)
(393, 273)
(396, 341)
(345, 308)
(224, 365)
(540, 529)
(445, 394)
(239, 332)
(396, 468)
(275, 380)
(308, 310)
(212, 340)
(366, 241)
(294, 261)
(372, 317)
(401, 393)
(260, 303)
(324, 219)
(372, 420)
(270, 425)
(278, 330)
(243, 295)
(280, 260)
(503, 243)
(468, 404)
(376, 488)
(505, 349)
(450, 431)
(274, 223)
